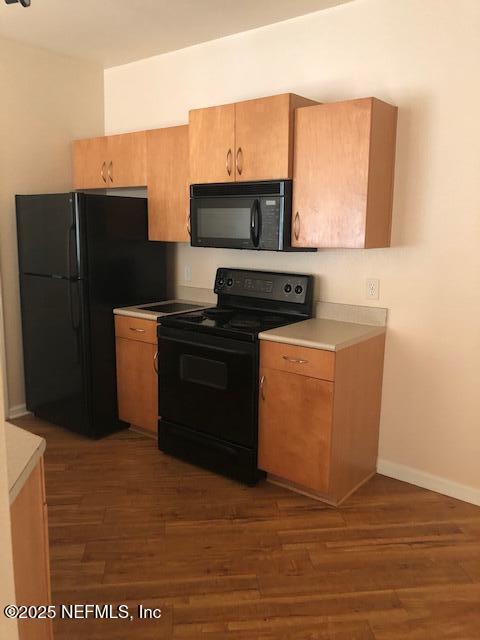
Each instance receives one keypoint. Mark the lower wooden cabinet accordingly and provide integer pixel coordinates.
(31, 561)
(137, 380)
(295, 427)
(316, 435)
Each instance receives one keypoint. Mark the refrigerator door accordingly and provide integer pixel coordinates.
(48, 235)
(55, 342)
(123, 269)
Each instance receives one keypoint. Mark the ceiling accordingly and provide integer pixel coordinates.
(113, 32)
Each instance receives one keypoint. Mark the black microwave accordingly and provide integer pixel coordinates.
(242, 215)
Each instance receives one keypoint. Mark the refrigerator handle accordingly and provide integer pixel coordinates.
(73, 285)
(72, 240)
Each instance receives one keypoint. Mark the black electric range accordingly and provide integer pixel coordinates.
(208, 368)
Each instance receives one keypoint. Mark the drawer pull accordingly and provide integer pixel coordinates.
(137, 330)
(262, 384)
(295, 360)
(155, 361)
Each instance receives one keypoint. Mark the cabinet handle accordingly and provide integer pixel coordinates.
(229, 162)
(239, 161)
(102, 172)
(189, 227)
(137, 330)
(110, 171)
(295, 360)
(296, 226)
(262, 384)
(155, 361)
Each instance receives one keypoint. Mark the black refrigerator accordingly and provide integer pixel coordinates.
(80, 255)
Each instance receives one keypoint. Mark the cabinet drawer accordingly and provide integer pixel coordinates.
(136, 329)
(315, 363)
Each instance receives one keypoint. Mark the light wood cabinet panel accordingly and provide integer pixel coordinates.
(31, 561)
(127, 160)
(212, 144)
(168, 184)
(264, 130)
(356, 414)
(110, 161)
(343, 174)
(315, 363)
(90, 163)
(316, 436)
(137, 383)
(295, 421)
(136, 329)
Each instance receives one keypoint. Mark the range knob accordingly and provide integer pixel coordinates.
(229, 282)
(287, 288)
(298, 289)
(221, 282)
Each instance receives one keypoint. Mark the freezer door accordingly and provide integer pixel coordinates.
(48, 238)
(55, 348)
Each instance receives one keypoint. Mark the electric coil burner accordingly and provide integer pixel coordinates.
(208, 368)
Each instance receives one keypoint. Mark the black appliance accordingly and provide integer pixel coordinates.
(208, 372)
(242, 215)
(79, 257)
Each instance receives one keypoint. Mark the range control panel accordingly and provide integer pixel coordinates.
(280, 287)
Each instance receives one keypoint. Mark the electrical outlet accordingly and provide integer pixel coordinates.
(372, 289)
(188, 273)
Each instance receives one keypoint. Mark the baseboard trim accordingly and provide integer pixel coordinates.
(428, 481)
(17, 411)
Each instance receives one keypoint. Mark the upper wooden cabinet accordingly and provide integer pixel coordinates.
(110, 161)
(212, 144)
(127, 159)
(343, 174)
(251, 140)
(90, 163)
(168, 185)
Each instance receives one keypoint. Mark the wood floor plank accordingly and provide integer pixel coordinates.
(228, 562)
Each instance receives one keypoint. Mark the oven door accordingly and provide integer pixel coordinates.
(231, 221)
(208, 384)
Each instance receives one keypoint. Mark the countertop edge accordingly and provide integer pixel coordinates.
(312, 344)
(28, 465)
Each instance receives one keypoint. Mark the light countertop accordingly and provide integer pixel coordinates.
(24, 450)
(318, 333)
(139, 311)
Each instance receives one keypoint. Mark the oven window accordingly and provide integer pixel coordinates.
(230, 222)
(210, 373)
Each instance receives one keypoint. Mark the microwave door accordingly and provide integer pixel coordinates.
(228, 222)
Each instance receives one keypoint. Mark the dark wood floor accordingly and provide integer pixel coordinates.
(227, 562)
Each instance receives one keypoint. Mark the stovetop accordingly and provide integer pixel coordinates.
(229, 322)
(250, 302)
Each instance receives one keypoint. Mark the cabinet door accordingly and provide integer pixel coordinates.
(127, 160)
(343, 174)
(168, 184)
(90, 163)
(137, 383)
(212, 142)
(295, 421)
(31, 561)
(264, 137)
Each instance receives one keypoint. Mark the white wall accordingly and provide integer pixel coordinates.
(422, 55)
(46, 101)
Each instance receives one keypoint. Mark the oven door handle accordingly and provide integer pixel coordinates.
(255, 221)
(190, 343)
